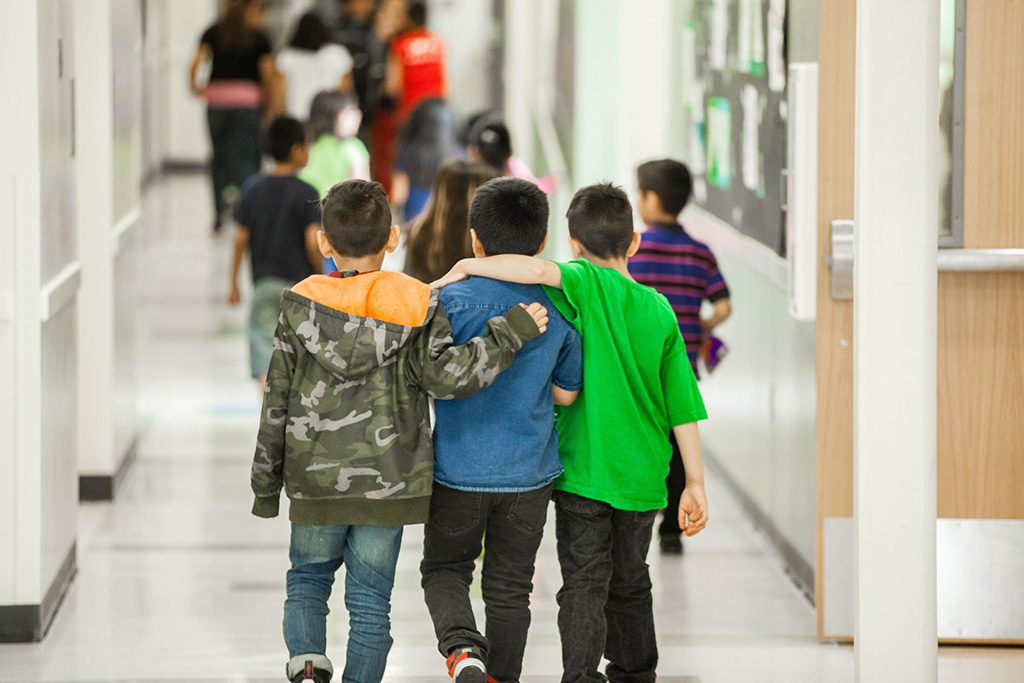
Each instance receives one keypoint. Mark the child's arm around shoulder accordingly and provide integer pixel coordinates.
(527, 270)
(445, 370)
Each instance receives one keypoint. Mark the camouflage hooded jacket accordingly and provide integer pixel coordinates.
(345, 420)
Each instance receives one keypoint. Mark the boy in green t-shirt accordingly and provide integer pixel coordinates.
(614, 440)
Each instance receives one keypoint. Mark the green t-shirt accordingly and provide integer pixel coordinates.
(332, 161)
(637, 385)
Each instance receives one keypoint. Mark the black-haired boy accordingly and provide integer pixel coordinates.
(278, 218)
(614, 439)
(686, 272)
(345, 425)
(496, 452)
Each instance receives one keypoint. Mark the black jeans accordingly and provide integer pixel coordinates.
(675, 482)
(605, 605)
(235, 139)
(511, 526)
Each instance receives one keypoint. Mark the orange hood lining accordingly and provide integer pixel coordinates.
(380, 295)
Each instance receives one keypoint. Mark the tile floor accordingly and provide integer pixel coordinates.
(177, 582)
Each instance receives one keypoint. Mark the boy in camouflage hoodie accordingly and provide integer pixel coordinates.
(345, 425)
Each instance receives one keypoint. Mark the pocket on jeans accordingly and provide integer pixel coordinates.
(454, 512)
(578, 505)
(529, 511)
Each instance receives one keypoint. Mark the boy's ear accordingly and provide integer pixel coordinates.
(326, 250)
(576, 247)
(649, 200)
(543, 246)
(634, 245)
(478, 247)
(394, 239)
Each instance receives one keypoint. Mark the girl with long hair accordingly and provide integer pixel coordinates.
(440, 236)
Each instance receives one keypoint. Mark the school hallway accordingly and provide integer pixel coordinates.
(178, 582)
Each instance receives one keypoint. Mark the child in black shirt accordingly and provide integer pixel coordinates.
(278, 219)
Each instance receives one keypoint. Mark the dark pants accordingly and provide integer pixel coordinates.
(675, 482)
(459, 523)
(604, 606)
(235, 139)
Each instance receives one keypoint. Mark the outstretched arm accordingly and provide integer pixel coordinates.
(527, 270)
(241, 245)
(445, 370)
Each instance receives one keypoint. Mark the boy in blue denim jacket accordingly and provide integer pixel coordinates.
(496, 452)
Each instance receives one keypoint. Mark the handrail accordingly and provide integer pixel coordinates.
(980, 260)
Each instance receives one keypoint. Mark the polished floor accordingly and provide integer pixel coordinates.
(177, 582)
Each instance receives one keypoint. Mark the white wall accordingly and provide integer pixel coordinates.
(183, 21)
(465, 26)
(109, 64)
(38, 502)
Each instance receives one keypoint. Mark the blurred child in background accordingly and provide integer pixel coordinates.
(491, 142)
(312, 63)
(686, 272)
(427, 141)
(439, 237)
(337, 154)
(278, 219)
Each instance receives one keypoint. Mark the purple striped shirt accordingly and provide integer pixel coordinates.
(685, 271)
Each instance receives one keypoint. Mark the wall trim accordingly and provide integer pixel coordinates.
(183, 166)
(799, 570)
(725, 239)
(125, 225)
(29, 623)
(102, 487)
(60, 290)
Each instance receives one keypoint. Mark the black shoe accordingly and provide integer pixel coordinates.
(671, 545)
(311, 673)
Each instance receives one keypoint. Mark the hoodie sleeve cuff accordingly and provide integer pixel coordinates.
(266, 506)
(522, 323)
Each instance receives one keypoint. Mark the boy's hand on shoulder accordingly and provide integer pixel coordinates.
(456, 274)
(693, 510)
(539, 315)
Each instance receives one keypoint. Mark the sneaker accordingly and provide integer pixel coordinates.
(465, 666)
(671, 545)
(312, 674)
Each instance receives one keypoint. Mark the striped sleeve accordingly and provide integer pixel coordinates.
(715, 288)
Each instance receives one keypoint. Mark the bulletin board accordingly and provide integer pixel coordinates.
(734, 112)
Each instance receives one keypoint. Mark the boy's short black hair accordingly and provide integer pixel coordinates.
(492, 139)
(510, 216)
(601, 219)
(357, 218)
(417, 13)
(669, 180)
(282, 134)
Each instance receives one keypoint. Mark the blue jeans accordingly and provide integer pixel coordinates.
(370, 554)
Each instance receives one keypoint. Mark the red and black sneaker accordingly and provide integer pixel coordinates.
(466, 666)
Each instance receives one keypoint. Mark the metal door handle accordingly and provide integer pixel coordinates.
(840, 260)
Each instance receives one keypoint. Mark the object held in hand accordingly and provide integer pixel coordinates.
(712, 351)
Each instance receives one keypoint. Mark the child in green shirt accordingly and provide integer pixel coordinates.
(336, 154)
(614, 440)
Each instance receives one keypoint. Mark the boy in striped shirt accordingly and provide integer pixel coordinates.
(686, 272)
